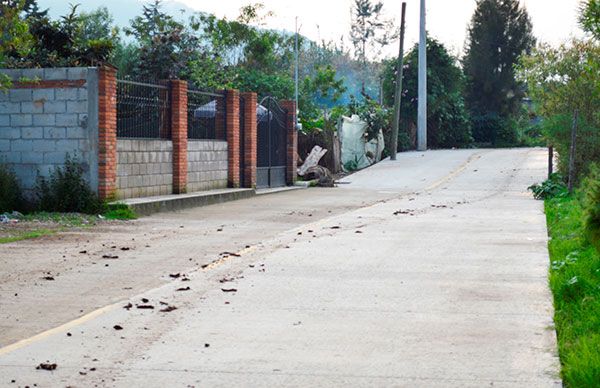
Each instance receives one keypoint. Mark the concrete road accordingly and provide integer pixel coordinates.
(427, 271)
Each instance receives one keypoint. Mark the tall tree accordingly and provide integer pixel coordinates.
(499, 33)
(590, 17)
(369, 32)
(447, 118)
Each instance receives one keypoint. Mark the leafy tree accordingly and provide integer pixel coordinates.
(319, 93)
(54, 43)
(500, 32)
(590, 17)
(16, 39)
(166, 45)
(560, 81)
(369, 31)
(447, 119)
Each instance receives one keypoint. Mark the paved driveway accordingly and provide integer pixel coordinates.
(427, 271)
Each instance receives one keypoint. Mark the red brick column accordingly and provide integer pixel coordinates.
(232, 122)
(179, 134)
(292, 141)
(250, 139)
(107, 132)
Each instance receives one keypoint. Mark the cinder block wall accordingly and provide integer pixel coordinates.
(144, 168)
(43, 120)
(207, 165)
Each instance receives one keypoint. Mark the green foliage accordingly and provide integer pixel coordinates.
(10, 190)
(377, 117)
(557, 130)
(16, 39)
(590, 17)
(62, 42)
(448, 123)
(499, 33)
(369, 32)
(564, 79)
(166, 46)
(119, 211)
(575, 281)
(551, 188)
(66, 190)
(591, 206)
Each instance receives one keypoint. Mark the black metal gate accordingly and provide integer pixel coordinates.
(272, 144)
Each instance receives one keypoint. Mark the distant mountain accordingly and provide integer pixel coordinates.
(122, 10)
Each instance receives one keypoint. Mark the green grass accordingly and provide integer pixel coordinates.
(51, 222)
(119, 211)
(575, 284)
(27, 235)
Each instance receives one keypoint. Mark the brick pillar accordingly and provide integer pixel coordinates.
(232, 120)
(107, 132)
(250, 139)
(292, 141)
(179, 134)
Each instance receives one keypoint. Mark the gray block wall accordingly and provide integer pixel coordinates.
(207, 165)
(40, 125)
(144, 168)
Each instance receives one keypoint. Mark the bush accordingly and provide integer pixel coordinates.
(550, 188)
(591, 205)
(67, 190)
(494, 129)
(10, 190)
(557, 130)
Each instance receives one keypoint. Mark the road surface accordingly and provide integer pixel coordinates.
(427, 271)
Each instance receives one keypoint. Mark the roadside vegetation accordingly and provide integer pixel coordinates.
(61, 201)
(564, 84)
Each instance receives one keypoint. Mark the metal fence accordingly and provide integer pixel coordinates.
(206, 115)
(143, 110)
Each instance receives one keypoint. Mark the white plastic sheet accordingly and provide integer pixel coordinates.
(354, 145)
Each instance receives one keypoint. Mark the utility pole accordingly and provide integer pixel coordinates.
(398, 91)
(422, 115)
(296, 75)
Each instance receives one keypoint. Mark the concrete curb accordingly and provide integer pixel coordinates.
(150, 205)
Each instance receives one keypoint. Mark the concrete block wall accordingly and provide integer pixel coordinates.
(46, 114)
(144, 168)
(207, 165)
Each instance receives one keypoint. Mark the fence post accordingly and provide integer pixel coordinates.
(107, 132)
(550, 161)
(232, 133)
(179, 134)
(292, 141)
(250, 139)
(572, 151)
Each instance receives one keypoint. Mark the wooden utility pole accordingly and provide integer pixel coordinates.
(572, 151)
(398, 91)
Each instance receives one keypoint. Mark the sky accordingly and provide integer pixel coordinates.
(554, 21)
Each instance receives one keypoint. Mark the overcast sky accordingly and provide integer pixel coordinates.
(553, 20)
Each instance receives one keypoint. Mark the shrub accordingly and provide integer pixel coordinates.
(557, 130)
(66, 190)
(591, 205)
(550, 188)
(10, 191)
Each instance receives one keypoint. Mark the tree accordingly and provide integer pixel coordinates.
(499, 33)
(369, 32)
(590, 17)
(16, 39)
(447, 119)
(560, 81)
(166, 45)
